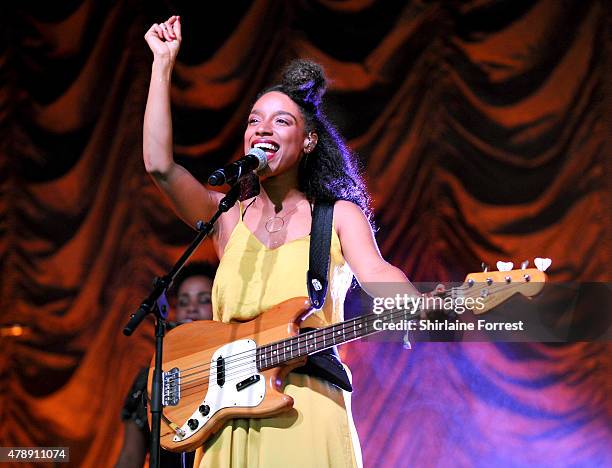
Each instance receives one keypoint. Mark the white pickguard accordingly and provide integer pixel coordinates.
(240, 364)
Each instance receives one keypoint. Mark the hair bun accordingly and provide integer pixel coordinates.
(305, 80)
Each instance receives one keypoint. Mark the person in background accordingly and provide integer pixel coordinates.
(193, 287)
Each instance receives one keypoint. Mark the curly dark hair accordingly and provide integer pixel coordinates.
(331, 171)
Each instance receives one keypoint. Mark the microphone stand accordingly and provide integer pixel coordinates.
(156, 304)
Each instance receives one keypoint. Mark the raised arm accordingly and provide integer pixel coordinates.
(190, 199)
(361, 251)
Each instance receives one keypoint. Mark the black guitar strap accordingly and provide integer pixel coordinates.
(320, 242)
(325, 364)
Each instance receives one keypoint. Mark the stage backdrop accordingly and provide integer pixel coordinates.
(483, 127)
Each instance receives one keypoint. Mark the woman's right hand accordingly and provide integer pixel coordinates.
(164, 39)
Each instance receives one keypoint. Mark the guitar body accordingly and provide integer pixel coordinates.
(195, 349)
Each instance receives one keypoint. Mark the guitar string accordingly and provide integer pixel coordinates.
(230, 359)
(199, 382)
(444, 294)
(346, 325)
(248, 354)
(401, 312)
(196, 385)
(231, 363)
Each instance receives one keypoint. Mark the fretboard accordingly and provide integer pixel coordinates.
(495, 287)
(274, 354)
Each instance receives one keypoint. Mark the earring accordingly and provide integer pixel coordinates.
(308, 147)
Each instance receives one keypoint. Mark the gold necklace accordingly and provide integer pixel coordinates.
(276, 223)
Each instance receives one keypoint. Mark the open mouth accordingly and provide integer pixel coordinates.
(269, 147)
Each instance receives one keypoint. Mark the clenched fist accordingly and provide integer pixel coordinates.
(164, 39)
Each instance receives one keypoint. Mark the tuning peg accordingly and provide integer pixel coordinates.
(484, 267)
(505, 266)
(542, 264)
(524, 265)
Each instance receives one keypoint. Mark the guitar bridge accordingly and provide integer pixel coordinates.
(171, 387)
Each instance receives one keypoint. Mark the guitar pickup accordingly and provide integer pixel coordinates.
(246, 382)
(220, 371)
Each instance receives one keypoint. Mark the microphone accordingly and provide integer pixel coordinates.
(256, 159)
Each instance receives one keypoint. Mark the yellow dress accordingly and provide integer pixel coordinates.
(319, 430)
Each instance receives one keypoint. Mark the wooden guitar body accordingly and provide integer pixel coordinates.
(191, 349)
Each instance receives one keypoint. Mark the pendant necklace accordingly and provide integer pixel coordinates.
(276, 223)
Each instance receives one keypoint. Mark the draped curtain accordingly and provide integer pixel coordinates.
(483, 127)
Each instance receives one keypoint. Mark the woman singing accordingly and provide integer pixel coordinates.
(263, 246)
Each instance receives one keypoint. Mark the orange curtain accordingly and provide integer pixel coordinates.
(483, 127)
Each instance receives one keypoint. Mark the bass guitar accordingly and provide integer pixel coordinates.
(215, 371)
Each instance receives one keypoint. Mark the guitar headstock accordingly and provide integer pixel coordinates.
(495, 287)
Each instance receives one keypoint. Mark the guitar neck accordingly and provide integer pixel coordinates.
(280, 352)
(490, 288)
